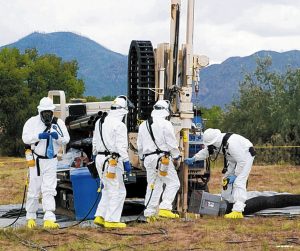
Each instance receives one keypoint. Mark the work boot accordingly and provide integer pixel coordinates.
(108, 224)
(167, 214)
(99, 221)
(234, 215)
(50, 224)
(31, 223)
(150, 219)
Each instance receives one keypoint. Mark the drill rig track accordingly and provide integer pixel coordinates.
(141, 79)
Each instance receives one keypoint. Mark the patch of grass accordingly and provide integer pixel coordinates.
(202, 233)
(13, 173)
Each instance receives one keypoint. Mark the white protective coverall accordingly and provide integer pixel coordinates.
(165, 139)
(239, 164)
(114, 133)
(47, 181)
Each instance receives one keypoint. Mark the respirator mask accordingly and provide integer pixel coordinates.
(211, 149)
(46, 117)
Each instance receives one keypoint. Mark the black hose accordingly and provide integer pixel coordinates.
(145, 206)
(20, 211)
(259, 203)
(157, 167)
(76, 224)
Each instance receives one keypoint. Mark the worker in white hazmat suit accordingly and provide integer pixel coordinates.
(239, 155)
(110, 144)
(158, 147)
(45, 134)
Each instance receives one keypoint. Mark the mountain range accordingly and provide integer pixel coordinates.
(105, 72)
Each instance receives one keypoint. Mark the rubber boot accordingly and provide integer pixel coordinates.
(150, 219)
(108, 224)
(50, 224)
(99, 221)
(234, 215)
(31, 223)
(167, 214)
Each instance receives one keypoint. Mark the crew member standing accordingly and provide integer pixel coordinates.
(44, 134)
(110, 144)
(158, 146)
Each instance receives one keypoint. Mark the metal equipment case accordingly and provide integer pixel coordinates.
(204, 203)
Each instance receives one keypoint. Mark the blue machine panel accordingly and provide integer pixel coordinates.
(195, 145)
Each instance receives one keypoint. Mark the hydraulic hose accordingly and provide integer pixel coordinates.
(259, 203)
(90, 210)
(22, 206)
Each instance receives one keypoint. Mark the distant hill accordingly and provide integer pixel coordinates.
(219, 82)
(105, 71)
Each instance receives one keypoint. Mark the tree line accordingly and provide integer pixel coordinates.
(24, 80)
(266, 109)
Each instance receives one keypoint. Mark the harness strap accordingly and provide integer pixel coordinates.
(37, 160)
(157, 152)
(106, 153)
(224, 147)
(101, 121)
(149, 122)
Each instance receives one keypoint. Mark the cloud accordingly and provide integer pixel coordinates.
(282, 20)
(222, 28)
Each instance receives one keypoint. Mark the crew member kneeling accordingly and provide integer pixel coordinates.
(239, 155)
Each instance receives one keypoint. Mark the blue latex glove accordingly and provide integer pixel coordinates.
(54, 135)
(189, 161)
(44, 135)
(231, 179)
(94, 157)
(127, 167)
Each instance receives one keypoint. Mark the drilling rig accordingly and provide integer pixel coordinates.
(167, 72)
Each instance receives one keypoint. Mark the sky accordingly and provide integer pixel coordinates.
(222, 29)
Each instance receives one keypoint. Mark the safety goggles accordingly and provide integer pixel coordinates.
(129, 104)
(159, 107)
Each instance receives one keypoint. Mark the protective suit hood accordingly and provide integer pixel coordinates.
(212, 137)
(45, 109)
(46, 104)
(119, 114)
(161, 109)
(119, 107)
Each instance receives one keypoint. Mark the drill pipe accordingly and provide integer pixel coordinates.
(86, 122)
(82, 122)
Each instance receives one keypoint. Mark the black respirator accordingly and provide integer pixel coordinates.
(211, 149)
(46, 117)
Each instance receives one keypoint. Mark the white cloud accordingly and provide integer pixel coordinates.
(222, 28)
(283, 20)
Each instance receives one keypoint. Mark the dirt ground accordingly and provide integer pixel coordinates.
(202, 233)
